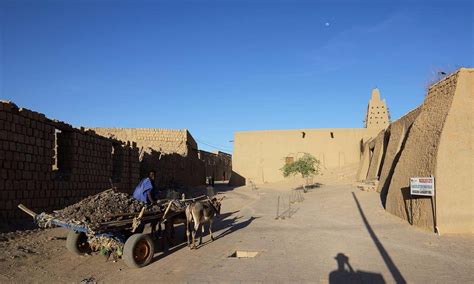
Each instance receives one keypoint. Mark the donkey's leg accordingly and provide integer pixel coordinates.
(210, 230)
(196, 228)
(202, 233)
(188, 232)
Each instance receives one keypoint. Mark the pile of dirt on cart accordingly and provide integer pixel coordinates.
(99, 208)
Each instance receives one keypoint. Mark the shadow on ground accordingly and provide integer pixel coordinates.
(396, 274)
(223, 222)
(346, 274)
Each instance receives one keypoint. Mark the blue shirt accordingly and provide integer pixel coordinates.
(142, 190)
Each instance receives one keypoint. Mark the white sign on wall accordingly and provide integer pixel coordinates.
(422, 186)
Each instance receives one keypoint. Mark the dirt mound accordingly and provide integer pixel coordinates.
(98, 208)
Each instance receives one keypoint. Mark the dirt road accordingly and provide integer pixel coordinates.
(337, 234)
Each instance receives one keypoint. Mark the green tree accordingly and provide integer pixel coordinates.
(306, 166)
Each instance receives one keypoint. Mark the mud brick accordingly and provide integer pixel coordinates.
(19, 194)
(3, 135)
(11, 194)
(9, 205)
(11, 174)
(27, 175)
(41, 117)
(7, 164)
(27, 122)
(8, 154)
(13, 147)
(2, 185)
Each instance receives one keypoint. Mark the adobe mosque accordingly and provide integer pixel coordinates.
(433, 140)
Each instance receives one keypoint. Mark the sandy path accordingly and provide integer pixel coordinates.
(332, 222)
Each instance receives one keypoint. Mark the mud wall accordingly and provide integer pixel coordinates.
(259, 155)
(365, 157)
(439, 143)
(47, 164)
(396, 135)
(377, 155)
(173, 153)
(454, 165)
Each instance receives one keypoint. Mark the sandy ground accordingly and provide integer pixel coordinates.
(337, 234)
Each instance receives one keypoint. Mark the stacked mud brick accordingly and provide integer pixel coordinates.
(47, 164)
(173, 153)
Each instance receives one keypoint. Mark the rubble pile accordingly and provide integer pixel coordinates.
(99, 208)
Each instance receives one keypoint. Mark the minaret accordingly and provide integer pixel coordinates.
(377, 116)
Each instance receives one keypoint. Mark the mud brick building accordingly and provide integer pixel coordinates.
(218, 165)
(435, 139)
(46, 164)
(173, 153)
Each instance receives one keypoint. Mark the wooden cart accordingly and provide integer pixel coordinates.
(120, 234)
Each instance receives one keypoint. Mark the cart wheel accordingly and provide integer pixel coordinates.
(76, 242)
(138, 250)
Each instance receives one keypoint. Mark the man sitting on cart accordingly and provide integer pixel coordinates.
(145, 190)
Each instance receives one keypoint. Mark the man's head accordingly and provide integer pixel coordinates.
(152, 174)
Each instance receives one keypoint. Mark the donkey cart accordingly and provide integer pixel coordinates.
(120, 237)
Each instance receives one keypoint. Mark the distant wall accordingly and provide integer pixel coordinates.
(173, 153)
(47, 164)
(259, 155)
(217, 165)
(165, 141)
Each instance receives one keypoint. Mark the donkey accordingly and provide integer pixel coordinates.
(169, 226)
(199, 213)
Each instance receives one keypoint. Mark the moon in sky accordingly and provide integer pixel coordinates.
(327, 24)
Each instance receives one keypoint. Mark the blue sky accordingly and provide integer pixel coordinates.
(216, 67)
